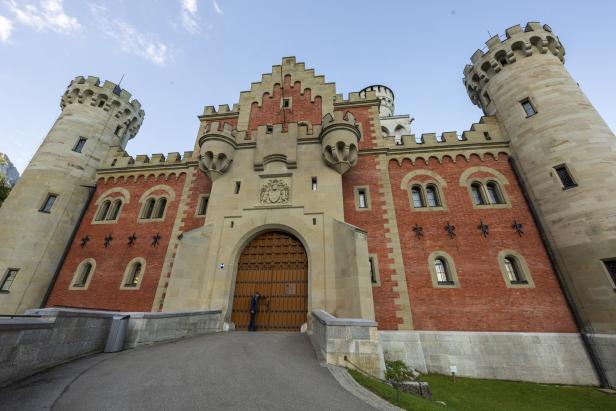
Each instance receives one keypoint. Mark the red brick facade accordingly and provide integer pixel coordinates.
(104, 290)
(480, 302)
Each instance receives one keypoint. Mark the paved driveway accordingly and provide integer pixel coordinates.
(235, 370)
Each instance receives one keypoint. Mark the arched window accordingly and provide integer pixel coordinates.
(494, 193)
(160, 207)
(148, 209)
(83, 276)
(442, 271)
(115, 210)
(102, 211)
(477, 191)
(418, 200)
(432, 196)
(132, 280)
(513, 271)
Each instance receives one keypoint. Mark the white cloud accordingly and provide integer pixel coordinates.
(129, 38)
(6, 26)
(189, 16)
(44, 15)
(217, 7)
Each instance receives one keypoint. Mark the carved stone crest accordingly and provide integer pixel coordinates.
(274, 191)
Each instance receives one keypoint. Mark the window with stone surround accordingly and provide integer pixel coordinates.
(48, 203)
(203, 202)
(362, 198)
(81, 142)
(528, 107)
(7, 280)
(487, 190)
(566, 180)
(374, 270)
(610, 266)
(83, 275)
(133, 274)
(442, 270)
(514, 269)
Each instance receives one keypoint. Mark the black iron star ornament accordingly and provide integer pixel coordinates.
(418, 230)
(108, 240)
(451, 230)
(156, 240)
(84, 240)
(132, 239)
(484, 228)
(518, 228)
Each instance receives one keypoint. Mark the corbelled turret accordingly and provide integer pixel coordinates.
(339, 139)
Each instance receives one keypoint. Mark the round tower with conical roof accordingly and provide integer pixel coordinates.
(566, 157)
(41, 213)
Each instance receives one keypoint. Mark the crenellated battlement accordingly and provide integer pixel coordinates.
(222, 109)
(505, 51)
(108, 97)
(486, 131)
(120, 159)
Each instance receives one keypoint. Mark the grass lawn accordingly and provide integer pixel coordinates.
(469, 394)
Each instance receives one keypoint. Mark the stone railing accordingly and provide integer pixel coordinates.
(51, 336)
(346, 342)
(148, 328)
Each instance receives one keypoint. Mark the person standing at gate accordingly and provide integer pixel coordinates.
(254, 305)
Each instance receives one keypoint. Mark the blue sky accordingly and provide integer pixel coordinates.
(180, 55)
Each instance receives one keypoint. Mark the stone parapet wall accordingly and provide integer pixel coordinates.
(346, 342)
(148, 328)
(29, 345)
(56, 335)
(555, 358)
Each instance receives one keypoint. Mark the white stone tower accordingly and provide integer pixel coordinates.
(566, 157)
(392, 125)
(41, 213)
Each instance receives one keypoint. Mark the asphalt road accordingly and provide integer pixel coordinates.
(224, 371)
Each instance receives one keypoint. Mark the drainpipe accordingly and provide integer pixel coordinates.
(91, 190)
(581, 325)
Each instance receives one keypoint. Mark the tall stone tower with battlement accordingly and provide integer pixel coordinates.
(566, 157)
(45, 205)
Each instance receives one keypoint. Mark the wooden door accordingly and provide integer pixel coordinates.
(275, 265)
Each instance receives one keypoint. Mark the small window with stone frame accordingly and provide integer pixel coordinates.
(203, 202)
(565, 177)
(48, 204)
(8, 279)
(81, 142)
(610, 266)
(528, 107)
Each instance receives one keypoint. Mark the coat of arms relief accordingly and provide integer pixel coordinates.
(275, 191)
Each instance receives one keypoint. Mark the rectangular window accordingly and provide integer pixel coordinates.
(373, 276)
(286, 103)
(8, 279)
(269, 129)
(203, 205)
(237, 187)
(610, 265)
(314, 184)
(528, 107)
(565, 177)
(79, 145)
(361, 198)
(46, 208)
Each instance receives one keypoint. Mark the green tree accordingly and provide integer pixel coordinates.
(5, 189)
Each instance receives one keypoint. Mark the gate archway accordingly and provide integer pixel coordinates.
(274, 264)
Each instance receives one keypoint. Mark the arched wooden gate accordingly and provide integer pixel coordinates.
(275, 265)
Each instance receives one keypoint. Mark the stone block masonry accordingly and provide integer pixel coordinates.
(555, 358)
(53, 336)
